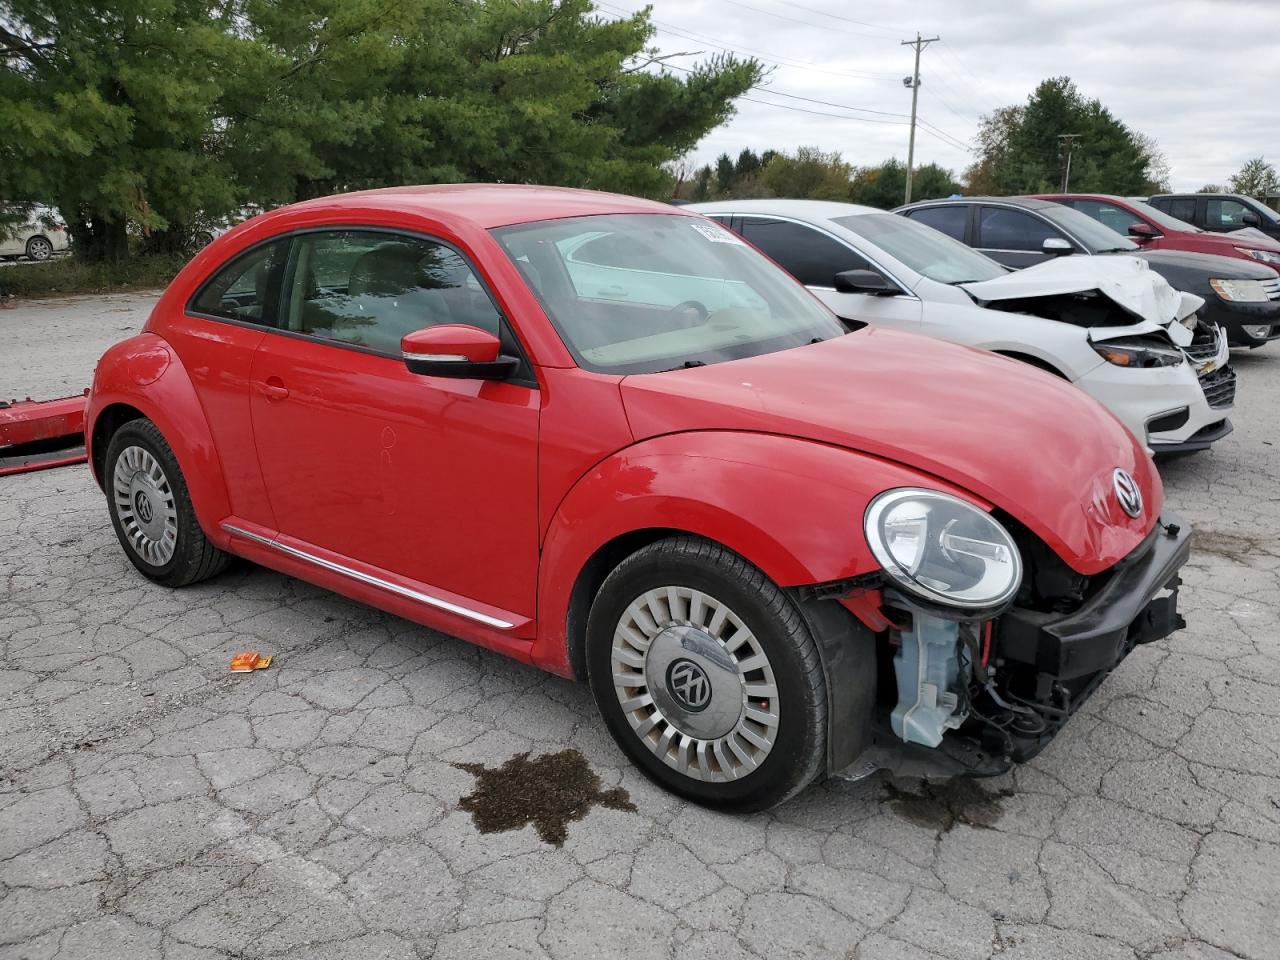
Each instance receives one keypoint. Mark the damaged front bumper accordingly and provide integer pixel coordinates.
(975, 697)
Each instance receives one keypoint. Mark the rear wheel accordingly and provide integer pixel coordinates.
(707, 676)
(39, 248)
(151, 509)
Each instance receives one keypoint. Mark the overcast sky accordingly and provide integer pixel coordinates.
(1201, 76)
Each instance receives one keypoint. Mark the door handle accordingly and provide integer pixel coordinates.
(274, 389)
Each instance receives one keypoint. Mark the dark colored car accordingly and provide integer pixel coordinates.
(1153, 229)
(1220, 212)
(1243, 298)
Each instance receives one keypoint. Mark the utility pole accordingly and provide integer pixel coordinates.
(1069, 142)
(913, 82)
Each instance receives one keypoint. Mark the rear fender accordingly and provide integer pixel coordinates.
(792, 507)
(144, 373)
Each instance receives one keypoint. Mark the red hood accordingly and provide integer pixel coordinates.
(1227, 242)
(1014, 436)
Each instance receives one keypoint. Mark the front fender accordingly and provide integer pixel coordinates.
(792, 507)
(144, 373)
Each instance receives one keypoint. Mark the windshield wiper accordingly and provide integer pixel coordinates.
(684, 366)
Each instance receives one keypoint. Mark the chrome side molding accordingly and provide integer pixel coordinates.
(371, 580)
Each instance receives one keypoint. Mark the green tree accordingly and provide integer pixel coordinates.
(1211, 188)
(1256, 179)
(725, 174)
(1020, 149)
(160, 112)
(810, 174)
(885, 185)
(105, 117)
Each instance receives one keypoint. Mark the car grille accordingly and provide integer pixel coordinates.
(1219, 387)
(1272, 287)
(1204, 346)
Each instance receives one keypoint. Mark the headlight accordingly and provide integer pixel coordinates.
(1266, 256)
(1139, 353)
(942, 548)
(1240, 291)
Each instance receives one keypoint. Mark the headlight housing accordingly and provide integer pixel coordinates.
(1138, 352)
(1266, 256)
(1240, 291)
(943, 549)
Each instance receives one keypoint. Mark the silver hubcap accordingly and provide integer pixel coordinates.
(695, 684)
(40, 250)
(144, 503)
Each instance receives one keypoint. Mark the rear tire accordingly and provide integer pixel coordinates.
(151, 509)
(39, 248)
(707, 676)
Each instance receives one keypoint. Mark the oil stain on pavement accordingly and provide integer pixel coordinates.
(940, 806)
(549, 792)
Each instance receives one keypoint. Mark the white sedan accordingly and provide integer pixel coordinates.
(41, 236)
(1110, 325)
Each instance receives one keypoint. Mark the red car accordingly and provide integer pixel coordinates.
(610, 439)
(1155, 230)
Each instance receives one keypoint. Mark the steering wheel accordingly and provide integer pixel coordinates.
(695, 311)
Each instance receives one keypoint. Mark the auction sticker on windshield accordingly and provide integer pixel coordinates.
(716, 234)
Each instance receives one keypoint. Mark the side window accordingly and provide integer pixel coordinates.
(1224, 214)
(953, 220)
(248, 288)
(811, 257)
(1000, 228)
(1107, 214)
(1180, 209)
(370, 289)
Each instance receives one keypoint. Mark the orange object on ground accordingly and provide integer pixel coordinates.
(248, 662)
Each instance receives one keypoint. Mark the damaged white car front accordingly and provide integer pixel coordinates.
(1164, 372)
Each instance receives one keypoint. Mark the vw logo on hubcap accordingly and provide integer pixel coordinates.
(689, 685)
(1127, 492)
(142, 503)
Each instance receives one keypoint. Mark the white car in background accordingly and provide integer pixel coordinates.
(39, 238)
(1110, 325)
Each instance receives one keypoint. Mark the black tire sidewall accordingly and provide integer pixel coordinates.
(801, 726)
(144, 434)
(32, 244)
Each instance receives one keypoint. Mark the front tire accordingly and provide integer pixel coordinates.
(151, 509)
(707, 676)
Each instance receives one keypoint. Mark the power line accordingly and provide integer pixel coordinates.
(820, 113)
(805, 23)
(770, 59)
(836, 16)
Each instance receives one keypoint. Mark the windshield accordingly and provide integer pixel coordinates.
(1262, 210)
(925, 250)
(1095, 237)
(640, 293)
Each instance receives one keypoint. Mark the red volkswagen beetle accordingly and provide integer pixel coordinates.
(610, 439)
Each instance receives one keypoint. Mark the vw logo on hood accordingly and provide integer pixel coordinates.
(1127, 492)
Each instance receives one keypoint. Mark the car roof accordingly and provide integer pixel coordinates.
(1028, 203)
(801, 209)
(488, 204)
(1233, 196)
(1084, 196)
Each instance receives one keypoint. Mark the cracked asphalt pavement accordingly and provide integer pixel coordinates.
(152, 805)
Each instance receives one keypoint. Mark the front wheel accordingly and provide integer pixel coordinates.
(707, 675)
(151, 509)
